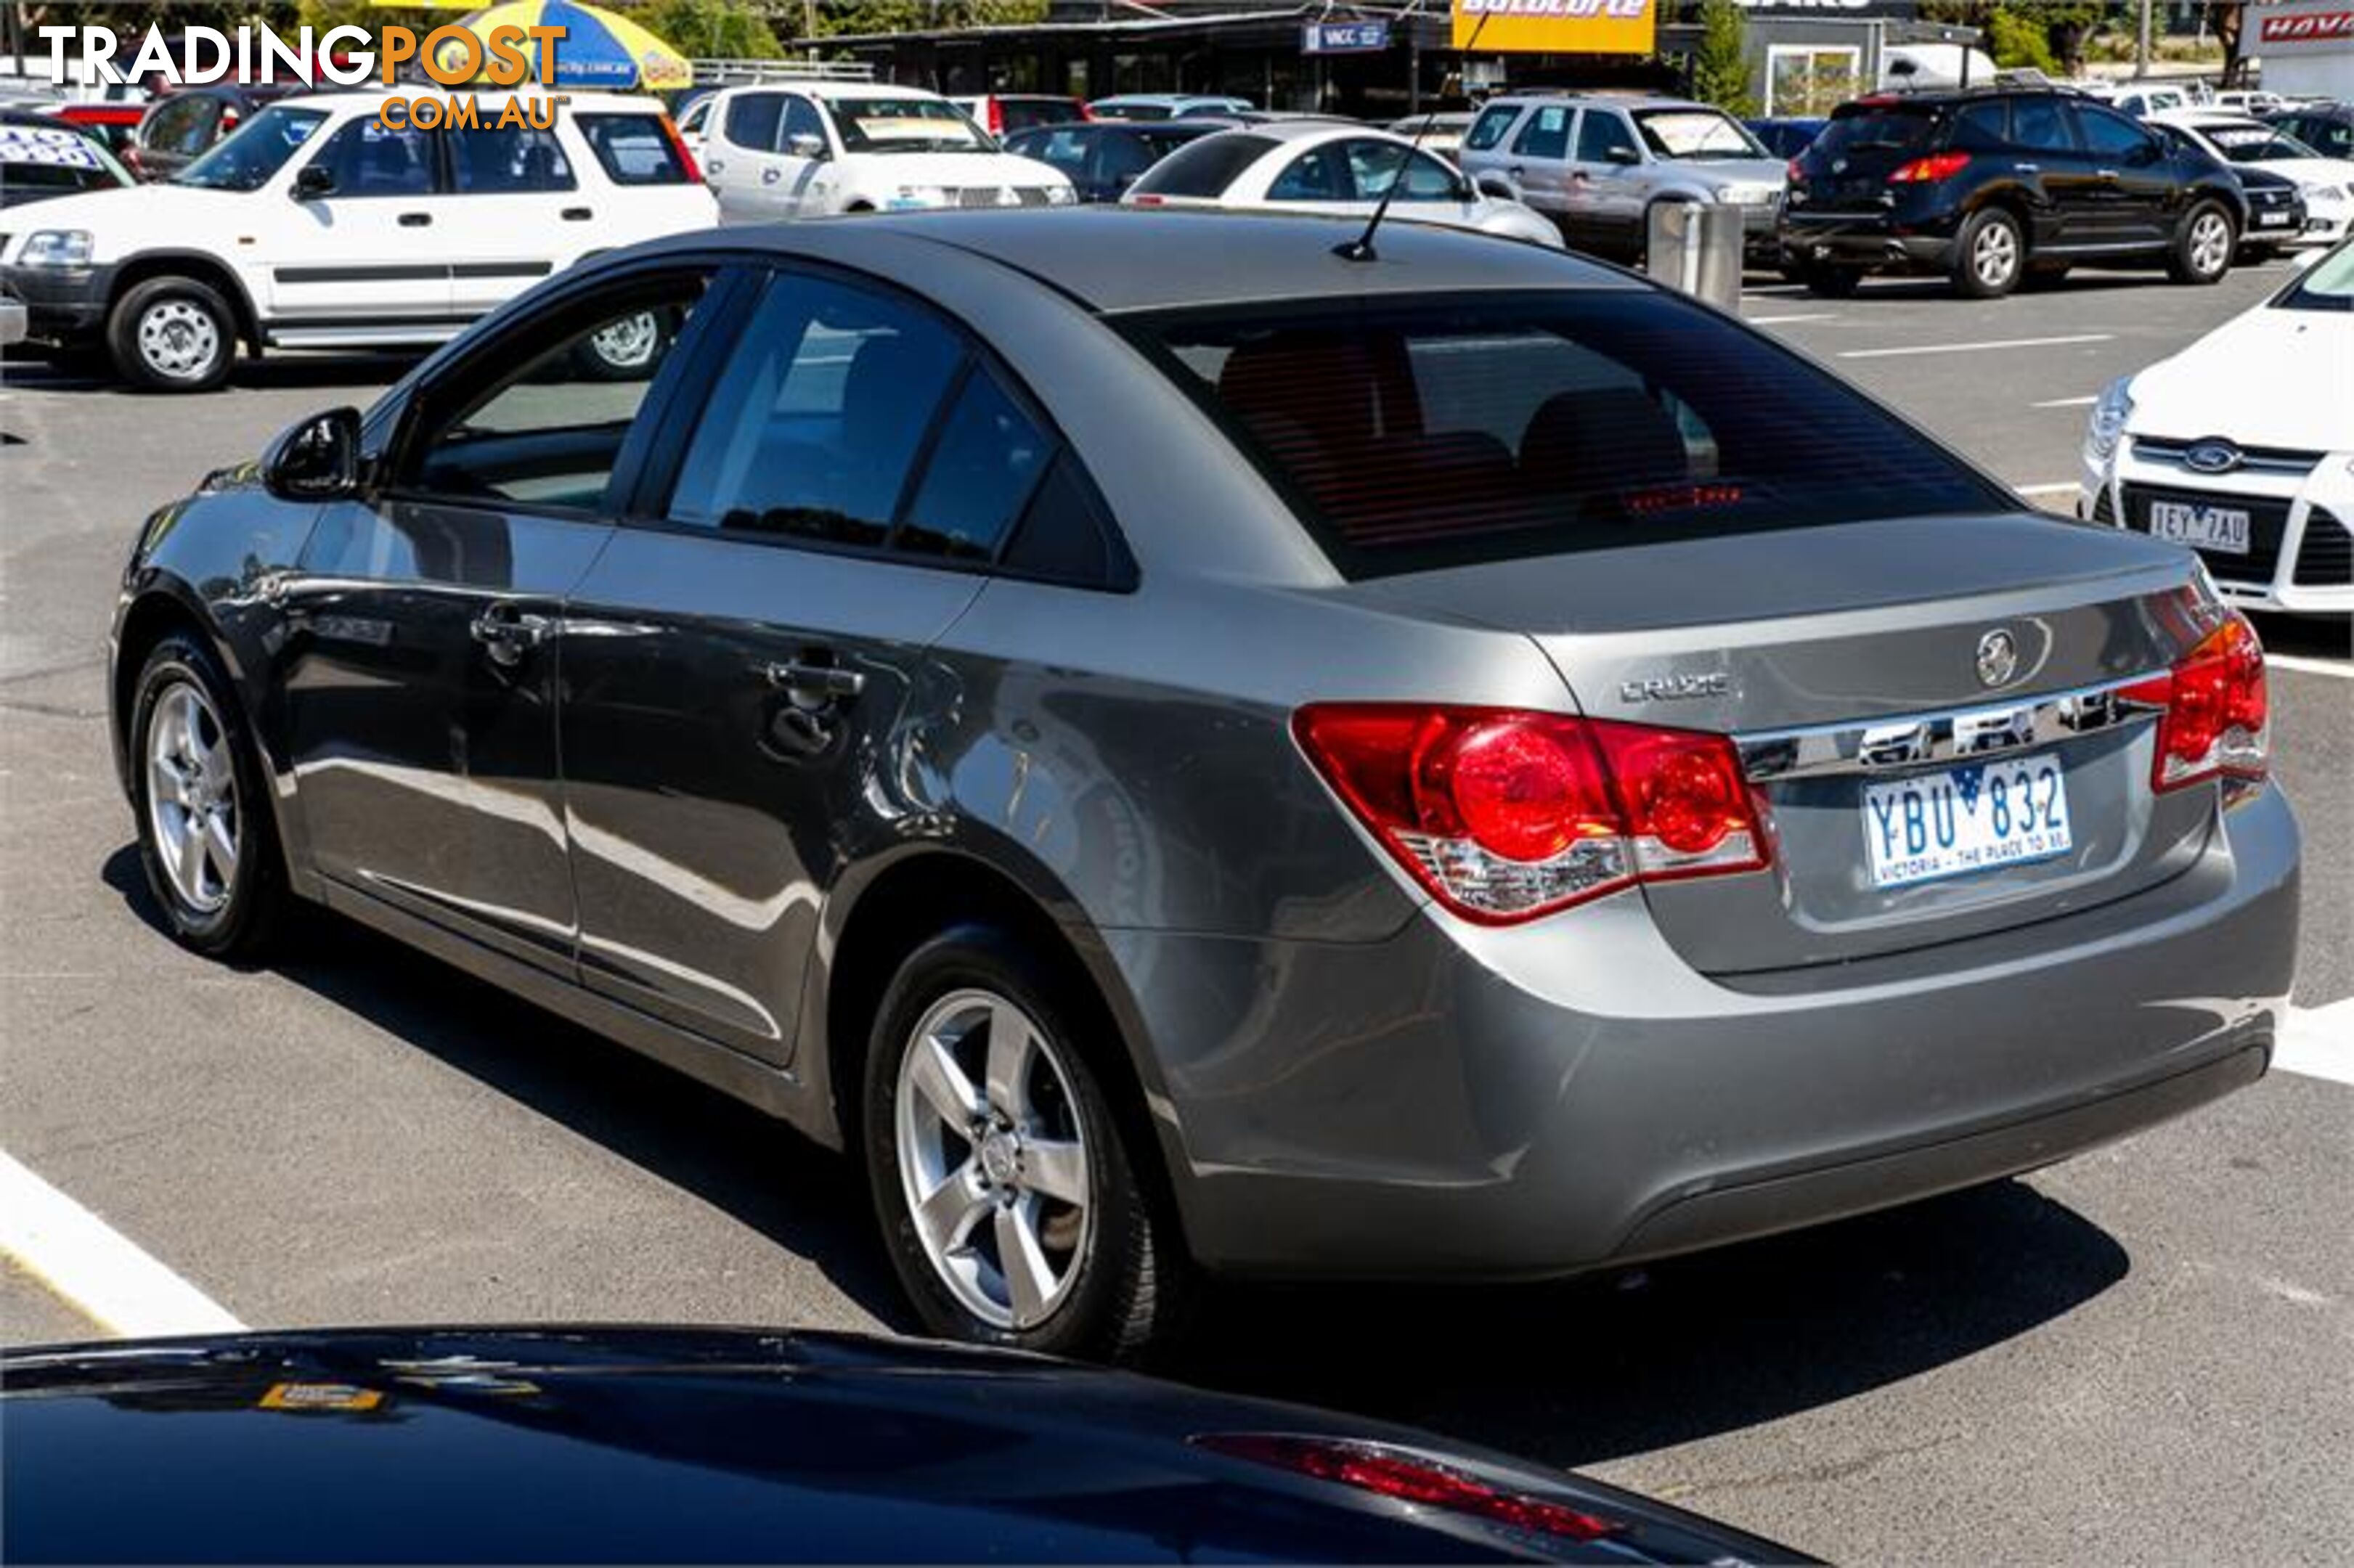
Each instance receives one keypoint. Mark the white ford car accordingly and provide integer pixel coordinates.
(2241, 447)
(808, 149)
(314, 227)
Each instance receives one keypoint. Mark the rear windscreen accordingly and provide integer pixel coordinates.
(1021, 113)
(1206, 167)
(1428, 435)
(1891, 130)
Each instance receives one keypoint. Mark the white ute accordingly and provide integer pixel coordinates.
(314, 227)
(808, 149)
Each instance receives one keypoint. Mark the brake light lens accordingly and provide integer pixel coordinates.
(685, 157)
(1409, 1478)
(1794, 174)
(1505, 815)
(2215, 718)
(1928, 171)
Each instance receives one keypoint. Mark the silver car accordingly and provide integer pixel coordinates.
(1598, 166)
(1182, 745)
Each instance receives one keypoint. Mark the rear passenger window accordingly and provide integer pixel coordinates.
(817, 421)
(1546, 134)
(983, 470)
(634, 149)
(1490, 128)
(492, 162)
(1982, 127)
(753, 119)
(2039, 123)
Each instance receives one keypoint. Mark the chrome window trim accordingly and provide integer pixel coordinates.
(1959, 735)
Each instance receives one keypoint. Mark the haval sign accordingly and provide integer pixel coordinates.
(1556, 27)
(2324, 30)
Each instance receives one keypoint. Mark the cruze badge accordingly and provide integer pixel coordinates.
(1997, 658)
(1672, 688)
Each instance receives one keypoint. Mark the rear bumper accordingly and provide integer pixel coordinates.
(1866, 239)
(1548, 1100)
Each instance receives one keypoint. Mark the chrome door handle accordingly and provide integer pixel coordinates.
(2104, 173)
(2028, 168)
(508, 634)
(816, 680)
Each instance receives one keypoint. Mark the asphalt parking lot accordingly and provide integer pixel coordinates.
(2144, 1355)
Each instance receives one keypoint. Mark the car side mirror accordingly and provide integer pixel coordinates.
(1495, 186)
(805, 144)
(317, 459)
(1624, 154)
(312, 182)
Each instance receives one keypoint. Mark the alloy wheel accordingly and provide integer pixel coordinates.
(178, 340)
(2210, 243)
(192, 805)
(993, 1158)
(1995, 255)
(630, 343)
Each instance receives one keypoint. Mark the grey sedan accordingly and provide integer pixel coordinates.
(1182, 744)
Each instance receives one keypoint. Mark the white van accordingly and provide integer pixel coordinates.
(314, 227)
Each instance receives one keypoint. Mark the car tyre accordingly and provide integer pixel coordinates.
(172, 334)
(974, 1023)
(1989, 255)
(2204, 246)
(207, 841)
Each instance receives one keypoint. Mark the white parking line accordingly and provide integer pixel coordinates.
(2298, 661)
(2318, 1042)
(1977, 347)
(2057, 487)
(1786, 321)
(2085, 402)
(100, 1272)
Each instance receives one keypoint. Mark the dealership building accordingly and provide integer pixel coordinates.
(1378, 61)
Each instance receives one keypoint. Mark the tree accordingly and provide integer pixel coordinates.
(915, 16)
(1721, 65)
(2015, 41)
(710, 29)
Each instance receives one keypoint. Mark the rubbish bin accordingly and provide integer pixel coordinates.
(1696, 246)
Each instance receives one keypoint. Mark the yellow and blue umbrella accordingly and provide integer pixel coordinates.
(598, 52)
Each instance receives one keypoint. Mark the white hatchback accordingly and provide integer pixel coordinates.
(808, 149)
(2241, 447)
(314, 226)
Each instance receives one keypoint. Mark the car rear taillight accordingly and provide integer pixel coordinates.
(685, 156)
(1928, 171)
(2214, 711)
(1506, 815)
(996, 117)
(1407, 1476)
(1794, 174)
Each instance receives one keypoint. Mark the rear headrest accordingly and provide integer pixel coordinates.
(1607, 438)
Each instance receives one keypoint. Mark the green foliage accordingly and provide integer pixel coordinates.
(1720, 68)
(914, 15)
(710, 29)
(2015, 41)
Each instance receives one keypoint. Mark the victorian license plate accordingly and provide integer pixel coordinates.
(1972, 818)
(2199, 526)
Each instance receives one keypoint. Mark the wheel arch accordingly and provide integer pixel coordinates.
(144, 265)
(897, 906)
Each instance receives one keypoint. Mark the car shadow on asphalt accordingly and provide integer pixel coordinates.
(1573, 1373)
(803, 1198)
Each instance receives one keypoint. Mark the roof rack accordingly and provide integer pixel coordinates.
(720, 72)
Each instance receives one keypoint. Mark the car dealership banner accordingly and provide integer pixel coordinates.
(1557, 27)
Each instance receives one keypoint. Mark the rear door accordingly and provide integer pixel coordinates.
(736, 659)
(2075, 209)
(425, 656)
(1539, 167)
(516, 213)
(2131, 177)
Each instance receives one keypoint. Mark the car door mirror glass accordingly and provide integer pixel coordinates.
(317, 459)
(1497, 186)
(1622, 154)
(805, 144)
(313, 181)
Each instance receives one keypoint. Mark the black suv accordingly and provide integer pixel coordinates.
(1991, 187)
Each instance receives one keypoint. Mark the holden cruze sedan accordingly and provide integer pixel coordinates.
(1183, 742)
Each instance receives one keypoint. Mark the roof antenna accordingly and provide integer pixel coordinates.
(1362, 248)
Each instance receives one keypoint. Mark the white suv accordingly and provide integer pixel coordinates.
(313, 227)
(812, 148)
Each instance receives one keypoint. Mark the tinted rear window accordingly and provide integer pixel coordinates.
(1876, 131)
(1430, 435)
(1206, 167)
(1021, 113)
(636, 149)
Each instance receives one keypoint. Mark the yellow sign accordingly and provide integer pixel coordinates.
(1556, 27)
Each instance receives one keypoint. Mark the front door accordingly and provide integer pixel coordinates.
(1606, 184)
(423, 667)
(736, 660)
(367, 250)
